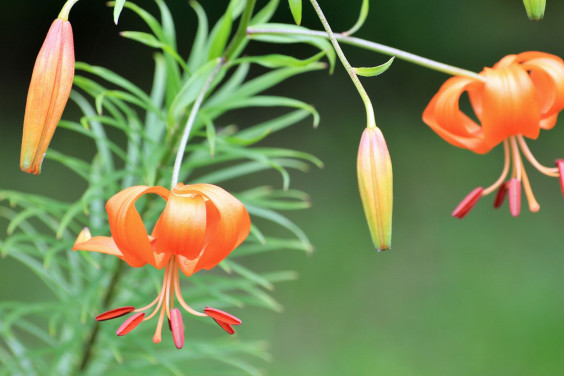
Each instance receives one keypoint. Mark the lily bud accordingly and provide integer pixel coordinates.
(535, 9)
(374, 169)
(48, 93)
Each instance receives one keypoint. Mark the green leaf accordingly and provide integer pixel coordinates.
(196, 58)
(296, 9)
(278, 61)
(219, 36)
(361, 18)
(266, 13)
(374, 71)
(118, 7)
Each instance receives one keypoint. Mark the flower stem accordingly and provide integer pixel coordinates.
(371, 122)
(377, 47)
(110, 292)
(191, 119)
(241, 33)
(64, 14)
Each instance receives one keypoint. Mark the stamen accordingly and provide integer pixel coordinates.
(560, 166)
(130, 324)
(515, 197)
(177, 328)
(225, 326)
(159, 330)
(533, 204)
(500, 180)
(161, 294)
(501, 194)
(220, 315)
(468, 203)
(115, 313)
(179, 296)
(516, 160)
(550, 171)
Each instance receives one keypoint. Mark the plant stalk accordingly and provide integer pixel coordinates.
(371, 122)
(376, 47)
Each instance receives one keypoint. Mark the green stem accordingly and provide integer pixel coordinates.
(377, 47)
(64, 14)
(110, 292)
(241, 33)
(371, 122)
(191, 119)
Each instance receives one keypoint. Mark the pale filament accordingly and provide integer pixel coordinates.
(162, 293)
(504, 172)
(516, 159)
(159, 330)
(533, 204)
(530, 157)
(179, 296)
(158, 298)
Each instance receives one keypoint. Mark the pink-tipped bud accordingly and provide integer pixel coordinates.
(177, 328)
(515, 197)
(115, 313)
(130, 324)
(560, 165)
(223, 319)
(375, 183)
(468, 203)
(501, 194)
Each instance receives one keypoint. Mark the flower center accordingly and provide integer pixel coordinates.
(164, 306)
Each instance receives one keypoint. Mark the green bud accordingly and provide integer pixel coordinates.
(535, 9)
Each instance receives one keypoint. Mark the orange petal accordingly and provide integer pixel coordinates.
(233, 223)
(510, 105)
(547, 74)
(101, 244)
(443, 115)
(181, 229)
(48, 93)
(128, 230)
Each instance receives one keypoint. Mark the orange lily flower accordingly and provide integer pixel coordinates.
(518, 97)
(48, 93)
(200, 225)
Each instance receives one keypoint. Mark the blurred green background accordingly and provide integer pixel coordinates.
(478, 296)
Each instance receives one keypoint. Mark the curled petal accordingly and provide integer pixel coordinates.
(128, 230)
(547, 74)
(181, 229)
(510, 105)
(101, 244)
(229, 223)
(444, 116)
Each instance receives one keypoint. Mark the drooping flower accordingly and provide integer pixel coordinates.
(199, 226)
(374, 172)
(48, 93)
(518, 97)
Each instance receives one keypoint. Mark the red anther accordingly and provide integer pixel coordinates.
(130, 324)
(227, 327)
(468, 203)
(501, 194)
(114, 313)
(220, 315)
(560, 164)
(177, 328)
(515, 197)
